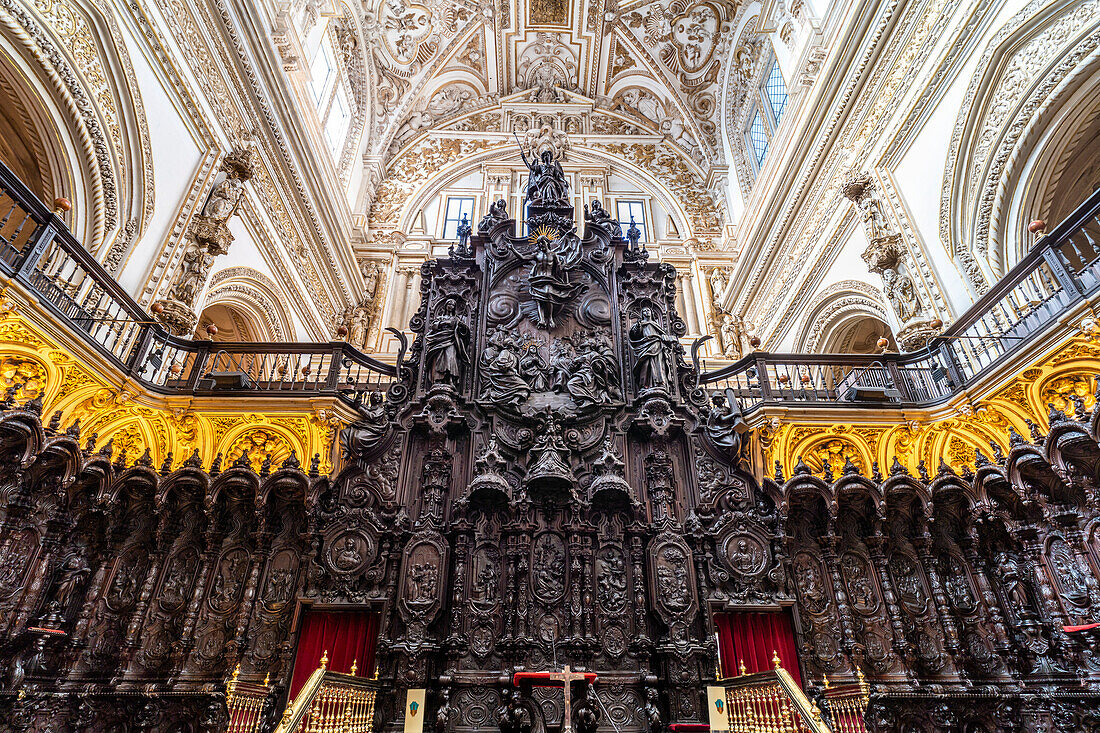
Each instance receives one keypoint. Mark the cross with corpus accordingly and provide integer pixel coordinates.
(566, 677)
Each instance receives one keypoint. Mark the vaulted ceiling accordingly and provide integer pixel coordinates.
(600, 69)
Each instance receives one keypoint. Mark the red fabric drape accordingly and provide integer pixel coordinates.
(347, 636)
(752, 637)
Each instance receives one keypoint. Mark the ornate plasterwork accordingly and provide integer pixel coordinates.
(855, 120)
(237, 284)
(1020, 69)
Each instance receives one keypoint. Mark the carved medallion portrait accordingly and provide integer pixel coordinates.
(350, 552)
(746, 555)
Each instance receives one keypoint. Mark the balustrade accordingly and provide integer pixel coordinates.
(770, 702)
(332, 703)
(38, 250)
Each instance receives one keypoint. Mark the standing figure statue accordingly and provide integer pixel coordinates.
(649, 343)
(549, 277)
(546, 185)
(446, 352)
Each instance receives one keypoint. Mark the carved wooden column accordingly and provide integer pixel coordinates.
(902, 647)
(923, 545)
(830, 555)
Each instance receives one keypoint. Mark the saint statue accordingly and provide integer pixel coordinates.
(649, 343)
(223, 199)
(725, 425)
(547, 185)
(446, 353)
(365, 433)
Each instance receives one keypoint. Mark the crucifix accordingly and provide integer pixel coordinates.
(566, 677)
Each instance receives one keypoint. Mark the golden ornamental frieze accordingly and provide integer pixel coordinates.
(1066, 380)
(34, 367)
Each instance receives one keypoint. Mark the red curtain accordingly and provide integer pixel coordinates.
(752, 637)
(347, 636)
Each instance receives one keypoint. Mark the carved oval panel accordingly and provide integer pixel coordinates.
(230, 574)
(21, 552)
(957, 585)
(179, 576)
(859, 582)
(126, 581)
(908, 583)
(809, 576)
(611, 581)
(745, 554)
(349, 552)
(278, 589)
(673, 577)
(548, 567)
(1067, 572)
(614, 641)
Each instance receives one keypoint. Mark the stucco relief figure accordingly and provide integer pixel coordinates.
(447, 344)
(649, 343)
(717, 282)
(902, 294)
(223, 200)
(193, 270)
(548, 280)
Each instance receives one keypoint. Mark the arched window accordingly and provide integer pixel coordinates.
(768, 100)
(328, 86)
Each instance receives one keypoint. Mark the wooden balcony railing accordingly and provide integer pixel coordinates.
(1056, 276)
(244, 702)
(38, 251)
(331, 703)
(770, 702)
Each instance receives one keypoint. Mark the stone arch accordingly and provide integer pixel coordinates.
(1030, 68)
(67, 65)
(838, 313)
(251, 297)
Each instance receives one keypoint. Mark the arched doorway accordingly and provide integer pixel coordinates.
(859, 335)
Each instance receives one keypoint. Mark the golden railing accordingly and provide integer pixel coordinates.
(245, 703)
(331, 703)
(770, 702)
(847, 704)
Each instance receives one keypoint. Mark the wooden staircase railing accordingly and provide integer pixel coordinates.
(330, 702)
(770, 702)
(244, 702)
(847, 704)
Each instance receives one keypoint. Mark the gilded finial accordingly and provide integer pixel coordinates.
(775, 660)
(267, 679)
(324, 660)
(375, 671)
(354, 666)
(743, 670)
(825, 681)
